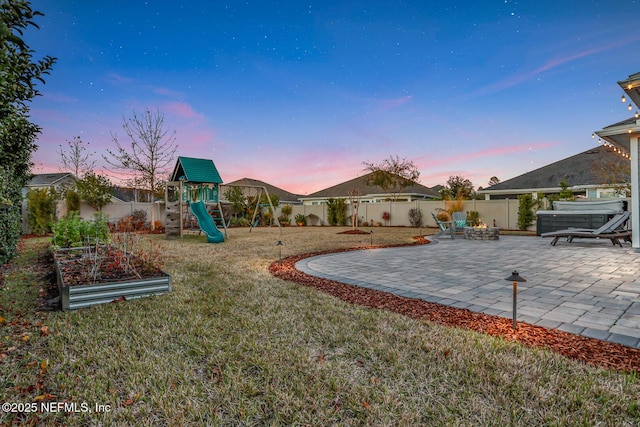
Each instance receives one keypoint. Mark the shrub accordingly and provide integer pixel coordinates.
(286, 210)
(443, 215)
(456, 205)
(72, 199)
(300, 219)
(525, 211)
(415, 217)
(473, 217)
(284, 220)
(336, 211)
(239, 222)
(139, 219)
(72, 231)
(386, 216)
(42, 209)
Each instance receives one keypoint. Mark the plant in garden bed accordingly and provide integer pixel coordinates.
(125, 259)
(73, 231)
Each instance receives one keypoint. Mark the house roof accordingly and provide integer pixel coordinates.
(620, 134)
(576, 170)
(283, 195)
(631, 85)
(360, 184)
(48, 179)
(127, 194)
(199, 171)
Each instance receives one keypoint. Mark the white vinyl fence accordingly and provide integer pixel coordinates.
(502, 213)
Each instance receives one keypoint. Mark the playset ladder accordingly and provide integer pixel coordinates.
(218, 218)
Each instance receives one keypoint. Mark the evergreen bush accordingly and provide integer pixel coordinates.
(525, 211)
(41, 204)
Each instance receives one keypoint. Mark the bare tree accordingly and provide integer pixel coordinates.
(151, 152)
(393, 174)
(76, 158)
(615, 171)
(354, 200)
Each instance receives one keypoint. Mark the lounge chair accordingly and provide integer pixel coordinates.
(614, 230)
(460, 220)
(445, 227)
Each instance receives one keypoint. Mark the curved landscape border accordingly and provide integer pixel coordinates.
(577, 347)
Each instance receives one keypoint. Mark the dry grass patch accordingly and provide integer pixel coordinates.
(232, 345)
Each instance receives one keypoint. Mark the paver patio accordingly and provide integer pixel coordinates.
(587, 287)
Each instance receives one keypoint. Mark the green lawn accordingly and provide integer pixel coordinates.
(232, 345)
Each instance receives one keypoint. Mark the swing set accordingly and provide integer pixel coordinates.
(193, 186)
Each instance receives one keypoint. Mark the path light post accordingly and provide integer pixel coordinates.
(279, 245)
(515, 278)
(371, 234)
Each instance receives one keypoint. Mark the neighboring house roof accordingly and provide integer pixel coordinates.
(577, 170)
(283, 195)
(196, 171)
(360, 184)
(124, 194)
(50, 179)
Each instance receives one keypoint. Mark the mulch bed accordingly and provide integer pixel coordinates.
(354, 232)
(104, 265)
(588, 350)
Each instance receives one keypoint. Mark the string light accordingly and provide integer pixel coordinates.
(629, 107)
(623, 99)
(637, 115)
(616, 149)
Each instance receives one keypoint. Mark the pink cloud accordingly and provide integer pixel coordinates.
(491, 152)
(387, 104)
(551, 64)
(166, 92)
(182, 109)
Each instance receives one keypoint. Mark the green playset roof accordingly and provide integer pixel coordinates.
(196, 171)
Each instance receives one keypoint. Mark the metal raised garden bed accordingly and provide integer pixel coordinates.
(81, 296)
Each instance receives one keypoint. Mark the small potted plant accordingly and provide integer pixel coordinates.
(285, 212)
(300, 219)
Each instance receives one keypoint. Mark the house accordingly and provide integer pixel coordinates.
(284, 196)
(624, 137)
(56, 181)
(582, 172)
(369, 193)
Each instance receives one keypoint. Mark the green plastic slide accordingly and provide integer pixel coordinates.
(206, 223)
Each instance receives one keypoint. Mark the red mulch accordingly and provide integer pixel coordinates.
(354, 232)
(587, 350)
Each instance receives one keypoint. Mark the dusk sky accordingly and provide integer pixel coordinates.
(300, 94)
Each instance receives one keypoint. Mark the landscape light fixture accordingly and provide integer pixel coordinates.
(371, 234)
(279, 245)
(515, 278)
